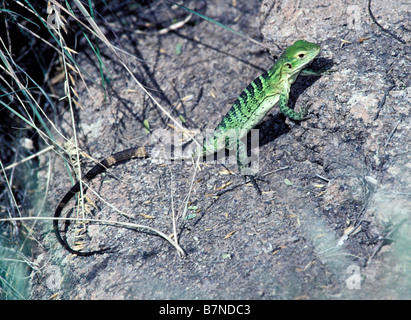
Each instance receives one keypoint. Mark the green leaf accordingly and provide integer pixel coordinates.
(190, 216)
(226, 256)
(179, 48)
(146, 125)
(288, 182)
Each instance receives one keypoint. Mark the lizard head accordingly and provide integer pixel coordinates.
(297, 56)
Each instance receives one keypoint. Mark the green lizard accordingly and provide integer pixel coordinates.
(252, 105)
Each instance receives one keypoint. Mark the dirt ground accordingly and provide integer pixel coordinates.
(333, 223)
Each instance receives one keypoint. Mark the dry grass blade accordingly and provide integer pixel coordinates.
(103, 38)
(15, 164)
(107, 222)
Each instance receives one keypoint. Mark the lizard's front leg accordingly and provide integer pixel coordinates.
(287, 111)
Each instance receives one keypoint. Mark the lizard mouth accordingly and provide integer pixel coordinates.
(304, 65)
(310, 61)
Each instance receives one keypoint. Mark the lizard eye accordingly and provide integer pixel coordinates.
(301, 55)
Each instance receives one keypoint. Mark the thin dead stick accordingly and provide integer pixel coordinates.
(102, 221)
(248, 181)
(184, 213)
(172, 27)
(172, 209)
(382, 102)
(380, 26)
(392, 133)
(174, 243)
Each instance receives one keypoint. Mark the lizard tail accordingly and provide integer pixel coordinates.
(138, 152)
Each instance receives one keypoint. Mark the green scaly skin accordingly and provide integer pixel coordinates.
(259, 98)
(252, 105)
(272, 86)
